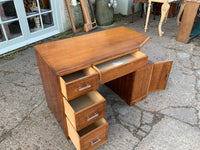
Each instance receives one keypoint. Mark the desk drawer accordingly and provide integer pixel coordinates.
(79, 83)
(121, 66)
(84, 110)
(90, 137)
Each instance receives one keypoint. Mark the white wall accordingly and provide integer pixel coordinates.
(124, 7)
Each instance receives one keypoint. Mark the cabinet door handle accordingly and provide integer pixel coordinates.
(167, 76)
(83, 88)
(97, 141)
(94, 116)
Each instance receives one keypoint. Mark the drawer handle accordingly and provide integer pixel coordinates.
(83, 88)
(94, 116)
(83, 77)
(97, 141)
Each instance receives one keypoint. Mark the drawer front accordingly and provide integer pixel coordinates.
(91, 139)
(85, 109)
(82, 87)
(79, 83)
(90, 115)
(95, 138)
(120, 68)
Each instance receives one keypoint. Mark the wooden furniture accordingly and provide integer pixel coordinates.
(157, 9)
(70, 73)
(89, 20)
(133, 7)
(135, 86)
(164, 13)
(188, 21)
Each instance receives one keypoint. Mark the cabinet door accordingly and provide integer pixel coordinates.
(160, 76)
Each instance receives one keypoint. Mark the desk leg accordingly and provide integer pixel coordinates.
(147, 17)
(164, 10)
(180, 11)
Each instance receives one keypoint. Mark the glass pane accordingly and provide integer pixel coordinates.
(47, 20)
(45, 5)
(31, 7)
(34, 23)
(7, 10)
(12, 29)
(2, 37)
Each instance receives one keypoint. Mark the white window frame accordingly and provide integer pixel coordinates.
(27, 37)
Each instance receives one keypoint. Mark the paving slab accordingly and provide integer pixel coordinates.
(188, 115)
(171, 134)
(39, 130)
(119, 138)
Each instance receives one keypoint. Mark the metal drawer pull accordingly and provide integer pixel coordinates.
(97, 141)
(83, 88)
(83, 77)
(90, 118)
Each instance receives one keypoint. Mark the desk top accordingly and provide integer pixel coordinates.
(72, 54)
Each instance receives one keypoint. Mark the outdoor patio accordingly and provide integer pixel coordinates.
(165, 120)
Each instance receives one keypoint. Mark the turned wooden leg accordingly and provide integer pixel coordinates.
(164, 10)
(166, 16)
(180, 11)
(132, 13)
(147, 17)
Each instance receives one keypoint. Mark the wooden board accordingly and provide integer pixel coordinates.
(187, 21)
(73, 54)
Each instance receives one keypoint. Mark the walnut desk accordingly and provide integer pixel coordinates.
(71, 68)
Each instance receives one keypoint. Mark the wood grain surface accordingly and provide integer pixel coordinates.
(72, 54)
(187, 21)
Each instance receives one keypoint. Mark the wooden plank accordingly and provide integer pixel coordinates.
(187, 21)
(70, 55)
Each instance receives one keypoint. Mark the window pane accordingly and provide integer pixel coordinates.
(34, 23)
(7, 10)
(31, 7)
(2, 37)
(47, 20)
(12, 29)
(45, 5)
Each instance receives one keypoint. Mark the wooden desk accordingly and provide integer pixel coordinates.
(70, 70)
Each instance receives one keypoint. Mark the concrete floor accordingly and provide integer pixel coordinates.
(165, 120)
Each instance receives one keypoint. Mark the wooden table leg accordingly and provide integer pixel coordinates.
(132, 7)
(180, 11)
(147, 17)
(164, 10)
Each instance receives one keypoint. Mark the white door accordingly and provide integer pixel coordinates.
(25, 21)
